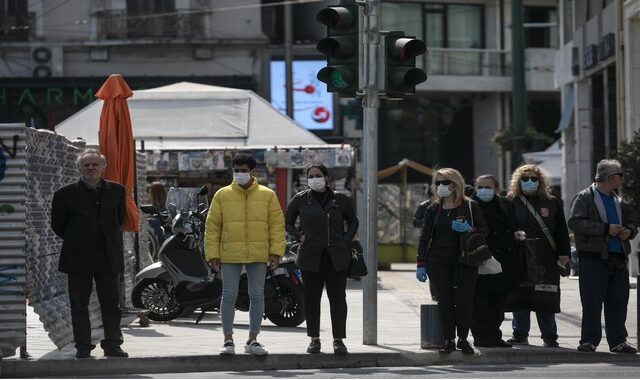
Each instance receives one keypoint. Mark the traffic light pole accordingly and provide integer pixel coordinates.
(370, 105)
(288, 57)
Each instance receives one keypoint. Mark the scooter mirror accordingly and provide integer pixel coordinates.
(203, 191)
(148, 209)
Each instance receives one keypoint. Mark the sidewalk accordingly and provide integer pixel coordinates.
(181, 345)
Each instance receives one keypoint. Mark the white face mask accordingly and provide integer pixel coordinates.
(317, 184)
(242, 178)
(443, 191)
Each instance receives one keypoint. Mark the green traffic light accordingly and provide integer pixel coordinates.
(338, 81)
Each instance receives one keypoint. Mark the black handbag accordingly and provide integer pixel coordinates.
(357, 267)
(473, 246)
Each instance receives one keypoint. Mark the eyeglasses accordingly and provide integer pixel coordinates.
(621, 174)
(445, 182)
(527, 179)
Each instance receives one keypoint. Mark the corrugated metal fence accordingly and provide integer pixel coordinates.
(29, 250)
(13, 314)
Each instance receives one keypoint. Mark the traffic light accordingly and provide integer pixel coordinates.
(401, 75)
(341, 48)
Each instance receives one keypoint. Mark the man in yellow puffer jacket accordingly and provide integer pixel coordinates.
(245, 228)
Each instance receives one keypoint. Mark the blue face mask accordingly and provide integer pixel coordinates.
(529, 187)
(485, 195)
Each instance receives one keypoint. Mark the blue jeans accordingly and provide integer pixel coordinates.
(600, 285)
(256, 273)
(522, 324)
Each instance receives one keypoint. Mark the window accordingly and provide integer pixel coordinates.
(541, 36)
(402, 16)
(14, 20)
(143, 22)
(455, 26)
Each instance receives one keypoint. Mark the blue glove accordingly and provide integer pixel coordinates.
(421, 274)
(459, 226)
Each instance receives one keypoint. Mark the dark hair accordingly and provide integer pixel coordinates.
(243, 159)
(490, 177)
(158, 194)
(320, 166)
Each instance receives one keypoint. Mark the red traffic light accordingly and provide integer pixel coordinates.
(405, 49)
(339, 18)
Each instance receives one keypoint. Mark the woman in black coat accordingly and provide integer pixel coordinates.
(529, 188)
(325, 252)
(490, 299)
(438, 253)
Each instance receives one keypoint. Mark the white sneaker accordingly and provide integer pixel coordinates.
(255, 348)
(229, 348)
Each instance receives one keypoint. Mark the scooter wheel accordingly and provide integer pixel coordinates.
(292, 298)
(154, 294)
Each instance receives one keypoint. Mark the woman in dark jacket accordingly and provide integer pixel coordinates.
(438, 253)
(490, 299)
(324, 254)
(529, 188)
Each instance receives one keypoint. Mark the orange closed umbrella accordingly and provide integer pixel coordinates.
(116, 142)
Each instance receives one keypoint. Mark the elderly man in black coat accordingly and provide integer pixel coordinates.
(88, 215)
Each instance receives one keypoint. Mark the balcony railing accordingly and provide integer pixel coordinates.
(17, 28)
(129, 25)
(468, 62)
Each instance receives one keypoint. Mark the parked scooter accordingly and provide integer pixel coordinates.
(158, 229)
(182, 280)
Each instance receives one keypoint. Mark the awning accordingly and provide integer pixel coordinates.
(567, 110)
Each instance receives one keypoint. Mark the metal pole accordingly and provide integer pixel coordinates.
(370, 104)
(518, 103)
(288, 57)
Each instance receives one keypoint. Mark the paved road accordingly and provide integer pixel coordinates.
(556, 371)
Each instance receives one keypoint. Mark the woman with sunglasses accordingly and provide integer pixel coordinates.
(490, 299)
(539, 216)
(438, 253)
(324, 254)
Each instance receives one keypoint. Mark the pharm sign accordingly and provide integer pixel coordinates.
(312, 104)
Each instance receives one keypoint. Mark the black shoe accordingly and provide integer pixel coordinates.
(503, 344)
(116, 353)
(624, 348)
(83, 354)
(518, 340)
(338, 347)
(483, 343)
(448, 347)
(314, 346)
(465, 346)
(587, 347)
(550, 343)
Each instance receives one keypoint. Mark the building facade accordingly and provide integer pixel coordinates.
(55, 54)
(597, 72)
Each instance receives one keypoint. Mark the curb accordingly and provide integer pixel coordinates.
(239, 363)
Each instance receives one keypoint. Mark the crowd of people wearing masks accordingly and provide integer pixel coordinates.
(528, 235)
(245, 229)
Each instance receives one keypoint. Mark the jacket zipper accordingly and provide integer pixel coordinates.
(328, 234)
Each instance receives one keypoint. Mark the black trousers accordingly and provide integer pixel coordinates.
(108, 289)
(336, 283)
(489, 305)
(607, 283)
(455, 284)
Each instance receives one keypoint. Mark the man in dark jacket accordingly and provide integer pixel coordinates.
(603, 224)
(88, 215)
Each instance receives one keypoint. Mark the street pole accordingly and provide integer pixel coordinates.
(518, 97)
(288, 57)
(370, 105)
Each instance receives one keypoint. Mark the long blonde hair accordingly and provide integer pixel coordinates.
(456, 180)
(544, 188)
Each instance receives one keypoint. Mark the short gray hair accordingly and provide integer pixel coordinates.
(607, 168)
(89, 151)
